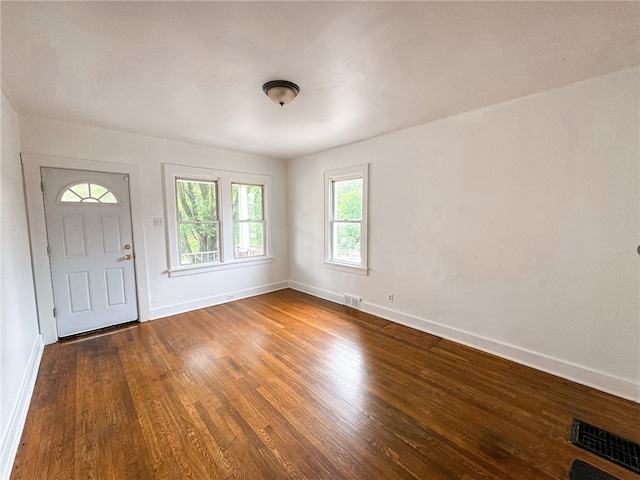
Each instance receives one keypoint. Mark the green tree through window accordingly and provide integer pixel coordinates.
(347, 220)
(197, 207)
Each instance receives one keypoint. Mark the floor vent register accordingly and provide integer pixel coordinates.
(607, 445)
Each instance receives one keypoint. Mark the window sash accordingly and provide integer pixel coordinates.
(349, 254)
(247, 248)
(336, 203)
(215, 215)
(201, 256)
(237, 215)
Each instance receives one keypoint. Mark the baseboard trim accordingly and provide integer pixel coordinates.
(617, 386)
(602, 381)
(11, 438)
(317, 292)
(167, 311)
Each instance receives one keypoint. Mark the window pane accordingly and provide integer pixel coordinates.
(346, 242)
(108, 198)
(247, 202)
(70, 197)
(248, 239)
(199, 243)
(88, 193)
(97, 190)
(82, 189)
(348, 199)
(196, 201)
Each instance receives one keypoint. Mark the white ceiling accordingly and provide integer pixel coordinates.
(194, 71)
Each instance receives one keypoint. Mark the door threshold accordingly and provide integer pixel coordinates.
(98, 333)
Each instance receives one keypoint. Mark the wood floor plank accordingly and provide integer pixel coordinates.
(286, 385)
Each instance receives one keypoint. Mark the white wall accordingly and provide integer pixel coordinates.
(512, 228)
(60, 144)
(20, 341)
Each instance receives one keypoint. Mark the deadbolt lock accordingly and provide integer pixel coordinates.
(127, 247)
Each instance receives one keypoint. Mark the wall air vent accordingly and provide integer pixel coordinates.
(352, 301)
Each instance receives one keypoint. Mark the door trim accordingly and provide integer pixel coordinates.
(38, 233)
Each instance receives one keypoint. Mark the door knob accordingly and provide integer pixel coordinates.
(127, 247)
(128, 257)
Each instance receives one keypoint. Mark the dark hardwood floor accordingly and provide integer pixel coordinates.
(286, 385)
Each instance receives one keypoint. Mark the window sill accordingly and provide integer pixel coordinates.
(214, 267)
(345, 267)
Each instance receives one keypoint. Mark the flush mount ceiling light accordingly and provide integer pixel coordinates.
(281, 91)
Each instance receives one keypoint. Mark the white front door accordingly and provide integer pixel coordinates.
(91, 249)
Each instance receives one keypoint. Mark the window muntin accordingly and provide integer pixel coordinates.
(248, 220)
(198, 221)
(346, 218)
(85, 192)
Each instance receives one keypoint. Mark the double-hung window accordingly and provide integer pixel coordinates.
(198, 224)
(346, 219)
(248, 220)
(216, 219)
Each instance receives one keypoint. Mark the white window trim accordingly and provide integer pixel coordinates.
(346, 173)
(224, 178)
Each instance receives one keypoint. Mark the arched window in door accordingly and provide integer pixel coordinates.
(85, 192)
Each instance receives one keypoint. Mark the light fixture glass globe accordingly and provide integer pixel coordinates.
(281, 95)
(281, 92)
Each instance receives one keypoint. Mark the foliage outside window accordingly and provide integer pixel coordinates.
(198, 224)
(248, 220)
(346, 229)
(216, 219)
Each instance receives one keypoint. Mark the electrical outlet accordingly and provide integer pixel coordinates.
(390, 297)
(158, 222)
(230, 297)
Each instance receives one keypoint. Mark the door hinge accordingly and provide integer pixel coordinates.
(55, 312)
(41, 186)
(48, 250)
(21, 161)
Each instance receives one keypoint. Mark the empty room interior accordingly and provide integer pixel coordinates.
(321, 240)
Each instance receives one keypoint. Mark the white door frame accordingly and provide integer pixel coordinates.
(38, 233)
